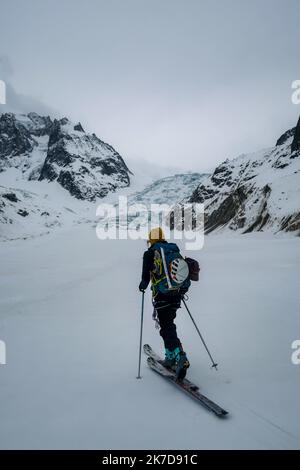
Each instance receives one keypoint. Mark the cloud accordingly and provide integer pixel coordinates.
(17, 102)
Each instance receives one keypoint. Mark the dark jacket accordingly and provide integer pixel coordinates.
(148, 259)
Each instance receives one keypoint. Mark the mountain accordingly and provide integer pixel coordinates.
(255, 192)
(168, 190)
(50, 172)
(58, 150)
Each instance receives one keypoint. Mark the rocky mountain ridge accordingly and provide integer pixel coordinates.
(255, 192)
(60, 151)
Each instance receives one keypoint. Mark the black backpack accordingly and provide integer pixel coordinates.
(194, 269)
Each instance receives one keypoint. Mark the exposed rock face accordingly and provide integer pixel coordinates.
(38, 125)
(287, 137)
(83, 164)
(61, 151)
(296, 142)
(15, 140)
(78, 127)
(255, 192)
(226, 211)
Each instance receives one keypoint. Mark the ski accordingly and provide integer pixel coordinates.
(149, 352)
(185, 385)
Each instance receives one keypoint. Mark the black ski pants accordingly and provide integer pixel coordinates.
(166, 315)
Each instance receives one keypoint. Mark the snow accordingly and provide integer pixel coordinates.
(165, 191)
(70, 313)
(38, 198)
(169, 190)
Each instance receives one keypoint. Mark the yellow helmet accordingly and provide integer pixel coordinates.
(156, 235)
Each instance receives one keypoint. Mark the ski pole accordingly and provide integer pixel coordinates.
(214, 364)
(141, 336)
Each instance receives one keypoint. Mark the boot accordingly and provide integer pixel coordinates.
(181, 363)
(169, 361)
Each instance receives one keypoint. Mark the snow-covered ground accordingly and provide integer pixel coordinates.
(69, 316)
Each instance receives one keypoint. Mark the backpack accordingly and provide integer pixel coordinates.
(170, 274)
(194, 269)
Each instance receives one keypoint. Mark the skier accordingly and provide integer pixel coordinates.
(165, 302)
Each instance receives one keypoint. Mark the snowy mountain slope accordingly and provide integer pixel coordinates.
(144, 173)
(70, 317)
(39, 157)
(17, 205)
(30, 213)
(50, 173)
(35, 208)
(259, 191)
(168, 190)
(58, 150)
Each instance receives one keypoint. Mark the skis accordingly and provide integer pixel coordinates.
(154, 362)
(149, 352)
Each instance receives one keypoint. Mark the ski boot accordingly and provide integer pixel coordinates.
(181, 363)
(169, 361)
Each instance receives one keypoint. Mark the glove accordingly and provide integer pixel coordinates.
(142, 286)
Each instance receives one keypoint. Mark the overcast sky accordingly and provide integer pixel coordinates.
(183, 83)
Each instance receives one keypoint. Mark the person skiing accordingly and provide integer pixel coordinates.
(166, 299)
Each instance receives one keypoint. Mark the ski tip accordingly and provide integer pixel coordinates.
(222, 413)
